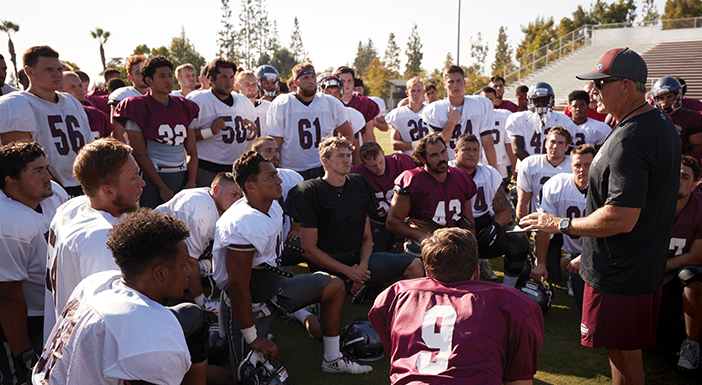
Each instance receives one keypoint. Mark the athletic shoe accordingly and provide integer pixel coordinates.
(345, 365)
(367, 292)
(689, 355)
(486, 271)
(570, 286)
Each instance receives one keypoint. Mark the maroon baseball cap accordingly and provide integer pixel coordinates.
(620, 63)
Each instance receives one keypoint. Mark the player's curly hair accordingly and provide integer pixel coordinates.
(132, 61)
(450, 255)
(143, 238)
(689, 161)
(98, 163)
(247, 166)
(420, 150)
(14, 158)
(332, 143)
(214, 68)
(148, 69)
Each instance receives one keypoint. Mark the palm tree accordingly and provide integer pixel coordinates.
(102, 38)
(10, 28)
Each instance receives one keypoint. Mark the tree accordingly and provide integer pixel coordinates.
(101, 37)
(392, 56)
(536, 34)
(228, 40)
(414, 54)
(623, 11)
(503, 53)
(283, 60)
(650, 14)
(10, 28)
(296, 48)
(248, 35)
(142, 49)
(273, 41)
(681, 9)
(377, 78)
(364, 56)
(182, 51)
(478, 51)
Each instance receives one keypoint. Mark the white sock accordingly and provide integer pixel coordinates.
(509, 280)
(301, 315)
(331, 348)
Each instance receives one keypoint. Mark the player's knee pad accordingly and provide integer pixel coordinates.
(195, 327)
(515, 243)
(515, 263)
(689, 274)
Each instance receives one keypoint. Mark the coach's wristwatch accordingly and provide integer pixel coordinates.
(564, 225)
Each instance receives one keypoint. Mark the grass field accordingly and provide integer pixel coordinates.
(562, 359)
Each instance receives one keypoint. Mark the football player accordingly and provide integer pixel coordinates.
(498, 84)
(432, 196)
(267, 82)
(138, 87)
(185, 75)
(246, 252)
(108, 74)
(460, 114)
(4, 87)
(588, 130)
(331, 85)
(522, 101)
(204, 78)
(223, 127)
(564, 196)
(28, 201)
(109, 176)
(114, 329)
(430, 93)
(248, 86)
(299, 120)
(506, 160)
(406, 123)
(56, 121)
(157, 125)
(535, 170)
(99, 121)
(380, 171)
(592, 105)
(684, 265)
(533, 125)
(335, 226)
(361, 103)
(667, 97)
(430, 327)
(493, 214)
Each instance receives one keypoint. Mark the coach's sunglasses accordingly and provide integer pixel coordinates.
(600, 82)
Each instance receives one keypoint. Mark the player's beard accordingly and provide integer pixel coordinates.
(125, 204)
(307, 92)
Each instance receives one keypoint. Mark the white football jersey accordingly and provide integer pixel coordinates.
(6, 89)
(109, 333)
(61, 128)
(122, 93)
(355, 119)
(197, 208)
(77, 248)
(408, 123)
(562, 198)
(261, 111)
(23, 234)
(477, 117)
(499, 139)
(592, 132)
(177, 93)
(243, 228)
(230, 142)
(303, 127)
(534, 171)
(381, 105)
(290, 179)
(487, 180)
(528, 125)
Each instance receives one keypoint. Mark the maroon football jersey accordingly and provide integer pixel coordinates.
(165, 124)
(687, 227)
(99, 122)
(687, 122)
(98, 92)
(99, 102)
(591, 113)
(383, 185)
(468, 332)
(507, 105)
(692, 104)
(365, 106)
(440, 202)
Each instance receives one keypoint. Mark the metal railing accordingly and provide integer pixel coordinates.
(564, 45)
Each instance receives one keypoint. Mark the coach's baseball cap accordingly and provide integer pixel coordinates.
(620, 63)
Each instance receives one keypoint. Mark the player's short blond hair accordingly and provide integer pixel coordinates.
(414, 81)
(182, 67)
(70, 73)
(242, 73)
(328, 145)
(299, 67)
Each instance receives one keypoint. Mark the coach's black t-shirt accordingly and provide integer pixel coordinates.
(338, 214)
(638, 166)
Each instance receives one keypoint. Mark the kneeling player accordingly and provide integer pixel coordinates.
(248, 245)
(492, 212)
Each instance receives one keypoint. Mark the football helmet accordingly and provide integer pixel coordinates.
(360, 342)
(217, 347)
(541, 98)
(326, 80)
(665, 85)
(257, 369)
(267, 72)
(541, 292)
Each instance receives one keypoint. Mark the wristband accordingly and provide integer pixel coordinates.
(249, 334)
(251, 135)
(200, 300)
(414, 143)
(206, 133)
